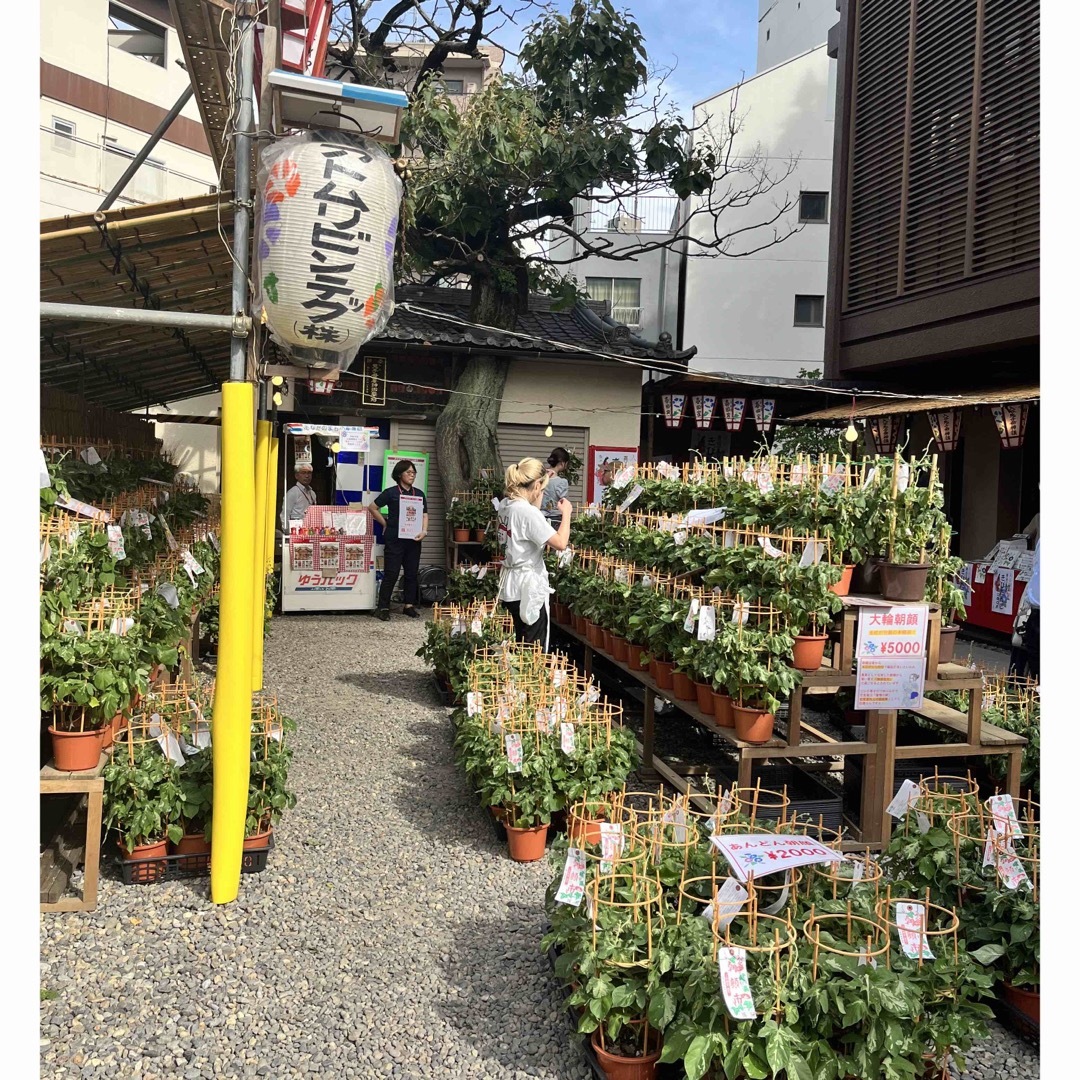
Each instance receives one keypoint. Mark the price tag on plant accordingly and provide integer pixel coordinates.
(922, 821)
(677, 819)
(911, 925)
(558, 677)
(812, 553)
(45, 551)
(1011, 871)
(591, 696)
(679, 536)
(572, 887)
(764, 481)
(766, 853)
(457, 627)
(769, 548)
(735, 983)
(621, 575)
(545, 722)
(120, 627)
(903, 799)
(164, 737)
(871, 474)
(141, 520)
(865, 957)
(989, 852)
(740, 612)
(167, 591)
(691, 616)
(201, 727)
(667, 470)
(706, 516)
(116, 542)
(168, 533)
(72, 626)
(706, 630)
(611, 844)
(565, 558)
(566, 738)
(834, 481)
(90, 456)
(1004, 815)
(482, 573)
(513, 752)
(726, 801)
(477, 627)
(903, 476)
(561, 709)
(190, 573)
(726, 903)
(474, 702)
(635, 494)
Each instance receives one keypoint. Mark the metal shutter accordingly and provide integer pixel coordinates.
(517, 441)
(413, 435)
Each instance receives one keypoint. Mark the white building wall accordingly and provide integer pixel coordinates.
(739, 311)
(787, 28)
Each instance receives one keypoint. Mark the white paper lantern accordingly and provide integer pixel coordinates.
(327, 221)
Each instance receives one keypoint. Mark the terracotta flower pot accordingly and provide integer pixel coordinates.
(526, 845)
(258, 841)
(808, 651)
(578, 623)
(1024, 1001)
(605, 642)
(593, 634)
(703, 693)
(461, 536)
(560, 613)
(752, 724)
(584, 830)
(108, 736)
(151, 871)
(620, 648)
(76, 751)
(843, 586)
(617, 1067)
(479, 534)
(637, 659)
(721, 709)
(192, 844)
(904, 581)
(662, 672)
(947, 648)
(683, 686)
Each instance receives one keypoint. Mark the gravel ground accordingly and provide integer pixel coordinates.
(389, 936)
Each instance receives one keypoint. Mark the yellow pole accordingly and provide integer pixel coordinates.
(271, 503)
(232, 695)
(258, 565)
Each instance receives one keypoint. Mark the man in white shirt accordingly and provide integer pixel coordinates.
(299, 497)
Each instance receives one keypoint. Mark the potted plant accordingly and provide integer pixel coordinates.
(196, 783)
(809, 602)
(142, 804)
(480, 517)
(459, 517)
(591, 775)
(760, 683)
(942, 589)
(915, 522)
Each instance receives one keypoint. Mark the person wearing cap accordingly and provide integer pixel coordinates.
(299, 497)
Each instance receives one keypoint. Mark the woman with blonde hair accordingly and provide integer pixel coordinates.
(524, 532)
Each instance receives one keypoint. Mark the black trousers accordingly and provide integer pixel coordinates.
(524, 632)
(398, 554)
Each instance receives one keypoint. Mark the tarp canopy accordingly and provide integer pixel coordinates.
(161, 256)
(900, 405)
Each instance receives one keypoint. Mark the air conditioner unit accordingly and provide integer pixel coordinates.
(625, 223)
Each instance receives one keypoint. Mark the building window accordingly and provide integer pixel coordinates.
(136, 35)
(456, 87)
(63, 135)
(623, 294)
(148, 183)
(809, 310)
(814, 207)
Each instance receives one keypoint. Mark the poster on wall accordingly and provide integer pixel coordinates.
(605, 462)
(1002, 602)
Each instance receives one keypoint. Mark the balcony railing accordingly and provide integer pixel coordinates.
(645, 214)
(628, 316)
(93, 167)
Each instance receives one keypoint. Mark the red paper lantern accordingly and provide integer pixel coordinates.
(1011, 421)
(945, 424)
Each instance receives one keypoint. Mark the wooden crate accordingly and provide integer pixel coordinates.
(76, 841)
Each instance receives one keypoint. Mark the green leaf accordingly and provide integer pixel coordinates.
(697, 1057)
(988, 954)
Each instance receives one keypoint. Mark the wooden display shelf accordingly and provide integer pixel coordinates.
(64, 852)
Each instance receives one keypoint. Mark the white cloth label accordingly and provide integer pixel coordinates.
(735, 983)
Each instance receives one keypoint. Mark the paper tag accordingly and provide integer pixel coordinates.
(798, 475)
(72, 626)
(677, 819)
(474, 702)
(591, 696)
(1011, 871)
(90, 456)
(201, 727)
(635, 494)
(989, 852)
(646, 581)
(923, 822)
(667, 471)
(45, 551)
(561, 709)
(513, 752)
(723, 807)
(871, 474)
(558, 677)
(740, 612)
(121, 626)
(903, 799)
(621, 575)
(1004, 815)
(706, 516)
(611, 844)
(168, 533)
(482, 573)
(679, 536)
(565, 558)
(477, 627)
(116, 542)
(911, 925)
(865, 957)
(572, 887)
(76, 506)
(768, 548)
(167, 591)
(726, 904)
(812, 553)
(691, 616)
(566, 732)
(544, 720)
(903, 476)
(623, 476)
(190, 560)
(834, 481)
(170, 747)
(706, 630)
(213, 540)
(735, 983)
(43, 470)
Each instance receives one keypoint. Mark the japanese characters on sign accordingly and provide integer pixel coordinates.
(764, 853)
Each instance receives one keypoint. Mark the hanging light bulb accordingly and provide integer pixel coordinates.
(549, 430)
(277, 380)
(335, 446)
(277, 398)
(852, 433)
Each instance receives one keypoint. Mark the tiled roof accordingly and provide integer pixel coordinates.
(440, 316)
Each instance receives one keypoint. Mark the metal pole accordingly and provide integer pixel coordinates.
(232, 703)
(144, 153)
(239, 325)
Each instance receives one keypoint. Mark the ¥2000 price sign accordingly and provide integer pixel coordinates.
(892, 631)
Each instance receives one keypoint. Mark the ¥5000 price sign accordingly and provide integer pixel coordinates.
(892, 632)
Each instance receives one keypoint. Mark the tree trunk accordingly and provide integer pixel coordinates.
(465, 433)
